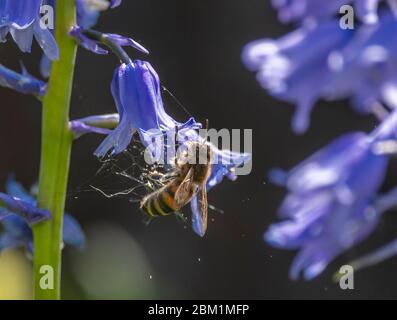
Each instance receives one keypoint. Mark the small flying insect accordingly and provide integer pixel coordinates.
(189, 177)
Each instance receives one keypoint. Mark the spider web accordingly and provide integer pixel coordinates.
(127, 175)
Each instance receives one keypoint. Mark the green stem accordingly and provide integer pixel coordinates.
(55, 157)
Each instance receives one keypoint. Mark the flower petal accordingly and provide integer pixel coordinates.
(19, 14)
(23, 38)
(23, 83)
(26, 210)
(46, 41)
(124, 42)
(15, 189)
(86, 42)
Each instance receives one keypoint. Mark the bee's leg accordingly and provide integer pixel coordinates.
(215, 209)
(180, 217)
(176, 145)
(166, 177)
(156, 175)
(147, 220)
(198, 154)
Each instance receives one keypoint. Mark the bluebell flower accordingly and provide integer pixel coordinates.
(18, 233)
(298, 10)
(296, 68)
(21, 18)
(365, 69)
(381, 205)
(322, 61)
(24, 83)
(137, 93)
(329, 207)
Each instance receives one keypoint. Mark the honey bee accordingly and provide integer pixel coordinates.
(190, 176)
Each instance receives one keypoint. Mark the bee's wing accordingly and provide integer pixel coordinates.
(200, 211)
(184, 191)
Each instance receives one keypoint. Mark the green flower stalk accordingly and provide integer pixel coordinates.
(55, 157)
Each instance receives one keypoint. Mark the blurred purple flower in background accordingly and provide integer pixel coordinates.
(298, 10)
(365, 69)
(295, 68)
(12, 205)
(322, 61)
(17, 231)
(330, 205)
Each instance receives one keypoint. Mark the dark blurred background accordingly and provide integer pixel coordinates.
(195, 47)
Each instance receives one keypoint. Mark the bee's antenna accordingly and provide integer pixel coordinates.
(206, 131)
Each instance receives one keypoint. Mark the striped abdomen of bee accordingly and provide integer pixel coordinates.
(162, 202)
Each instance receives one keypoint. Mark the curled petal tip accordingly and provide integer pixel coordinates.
(125, 41)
